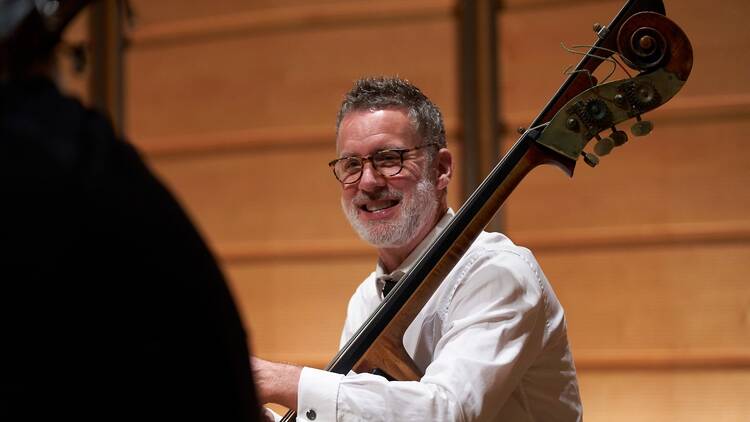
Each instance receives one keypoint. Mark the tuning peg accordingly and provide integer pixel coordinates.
(619, 137)
(641, 127)
(603, 146)
(590, 159)
(600, 30)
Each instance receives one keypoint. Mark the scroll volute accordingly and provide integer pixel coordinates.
(648, 42)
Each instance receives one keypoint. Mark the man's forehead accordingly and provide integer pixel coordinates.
(384, 128)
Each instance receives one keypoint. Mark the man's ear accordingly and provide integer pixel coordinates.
(444, 168)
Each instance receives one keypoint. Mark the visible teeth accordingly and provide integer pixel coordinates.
(380, 206)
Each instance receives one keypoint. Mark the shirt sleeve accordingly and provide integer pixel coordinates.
(493, 330)
(317, 395)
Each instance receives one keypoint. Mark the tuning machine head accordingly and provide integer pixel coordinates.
(603, 146)
(590, 159)
(641, 127)
(618, 136)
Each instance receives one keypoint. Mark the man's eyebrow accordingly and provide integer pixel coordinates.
(384, 148)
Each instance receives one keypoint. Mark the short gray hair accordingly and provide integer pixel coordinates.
(379, 93)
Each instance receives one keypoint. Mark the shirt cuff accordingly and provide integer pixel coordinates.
(317, 395)
(270, 415)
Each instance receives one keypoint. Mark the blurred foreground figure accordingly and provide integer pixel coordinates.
(111, 305)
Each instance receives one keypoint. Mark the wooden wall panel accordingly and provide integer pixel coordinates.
(230, 84)
(658, 396)
(531, 40)
(262, 195)
(529, 44)
(667, 299)
(683, 172)
(295, 309)
(166, 11)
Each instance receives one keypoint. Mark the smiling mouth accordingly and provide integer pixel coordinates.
(379, 205)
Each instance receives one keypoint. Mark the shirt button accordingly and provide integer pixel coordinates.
(311, 415)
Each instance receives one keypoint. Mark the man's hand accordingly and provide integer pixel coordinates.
(276, 382)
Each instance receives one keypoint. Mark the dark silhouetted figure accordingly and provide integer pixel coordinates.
(111, 305)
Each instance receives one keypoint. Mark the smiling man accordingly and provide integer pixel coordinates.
(491, 341)
(394, 202)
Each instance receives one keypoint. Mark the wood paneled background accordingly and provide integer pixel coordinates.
(233, 104)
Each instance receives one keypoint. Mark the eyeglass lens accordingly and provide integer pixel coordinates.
(387, 163)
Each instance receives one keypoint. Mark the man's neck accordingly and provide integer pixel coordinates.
(392, 258)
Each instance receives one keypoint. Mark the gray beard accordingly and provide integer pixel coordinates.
(415, 212)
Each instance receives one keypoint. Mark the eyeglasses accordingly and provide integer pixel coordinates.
(387, 162)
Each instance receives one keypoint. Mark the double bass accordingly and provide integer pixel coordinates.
(581, 112)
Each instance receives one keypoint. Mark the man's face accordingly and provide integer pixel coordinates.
(387, 211)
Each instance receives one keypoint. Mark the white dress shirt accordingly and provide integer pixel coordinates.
(491, 341)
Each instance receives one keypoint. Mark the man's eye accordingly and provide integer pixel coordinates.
(350, 164)
(388, 158)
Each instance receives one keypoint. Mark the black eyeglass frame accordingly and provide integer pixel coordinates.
(365, 159)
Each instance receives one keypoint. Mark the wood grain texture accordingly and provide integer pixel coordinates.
(686, 298)
(248, 139)
(187, 92)
(297, 309)
(170, 21)
(682, 395)
(691, 173)
(718, 35)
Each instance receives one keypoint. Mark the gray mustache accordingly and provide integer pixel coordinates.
(382, 195)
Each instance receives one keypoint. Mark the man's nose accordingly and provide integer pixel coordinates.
(371, 178)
